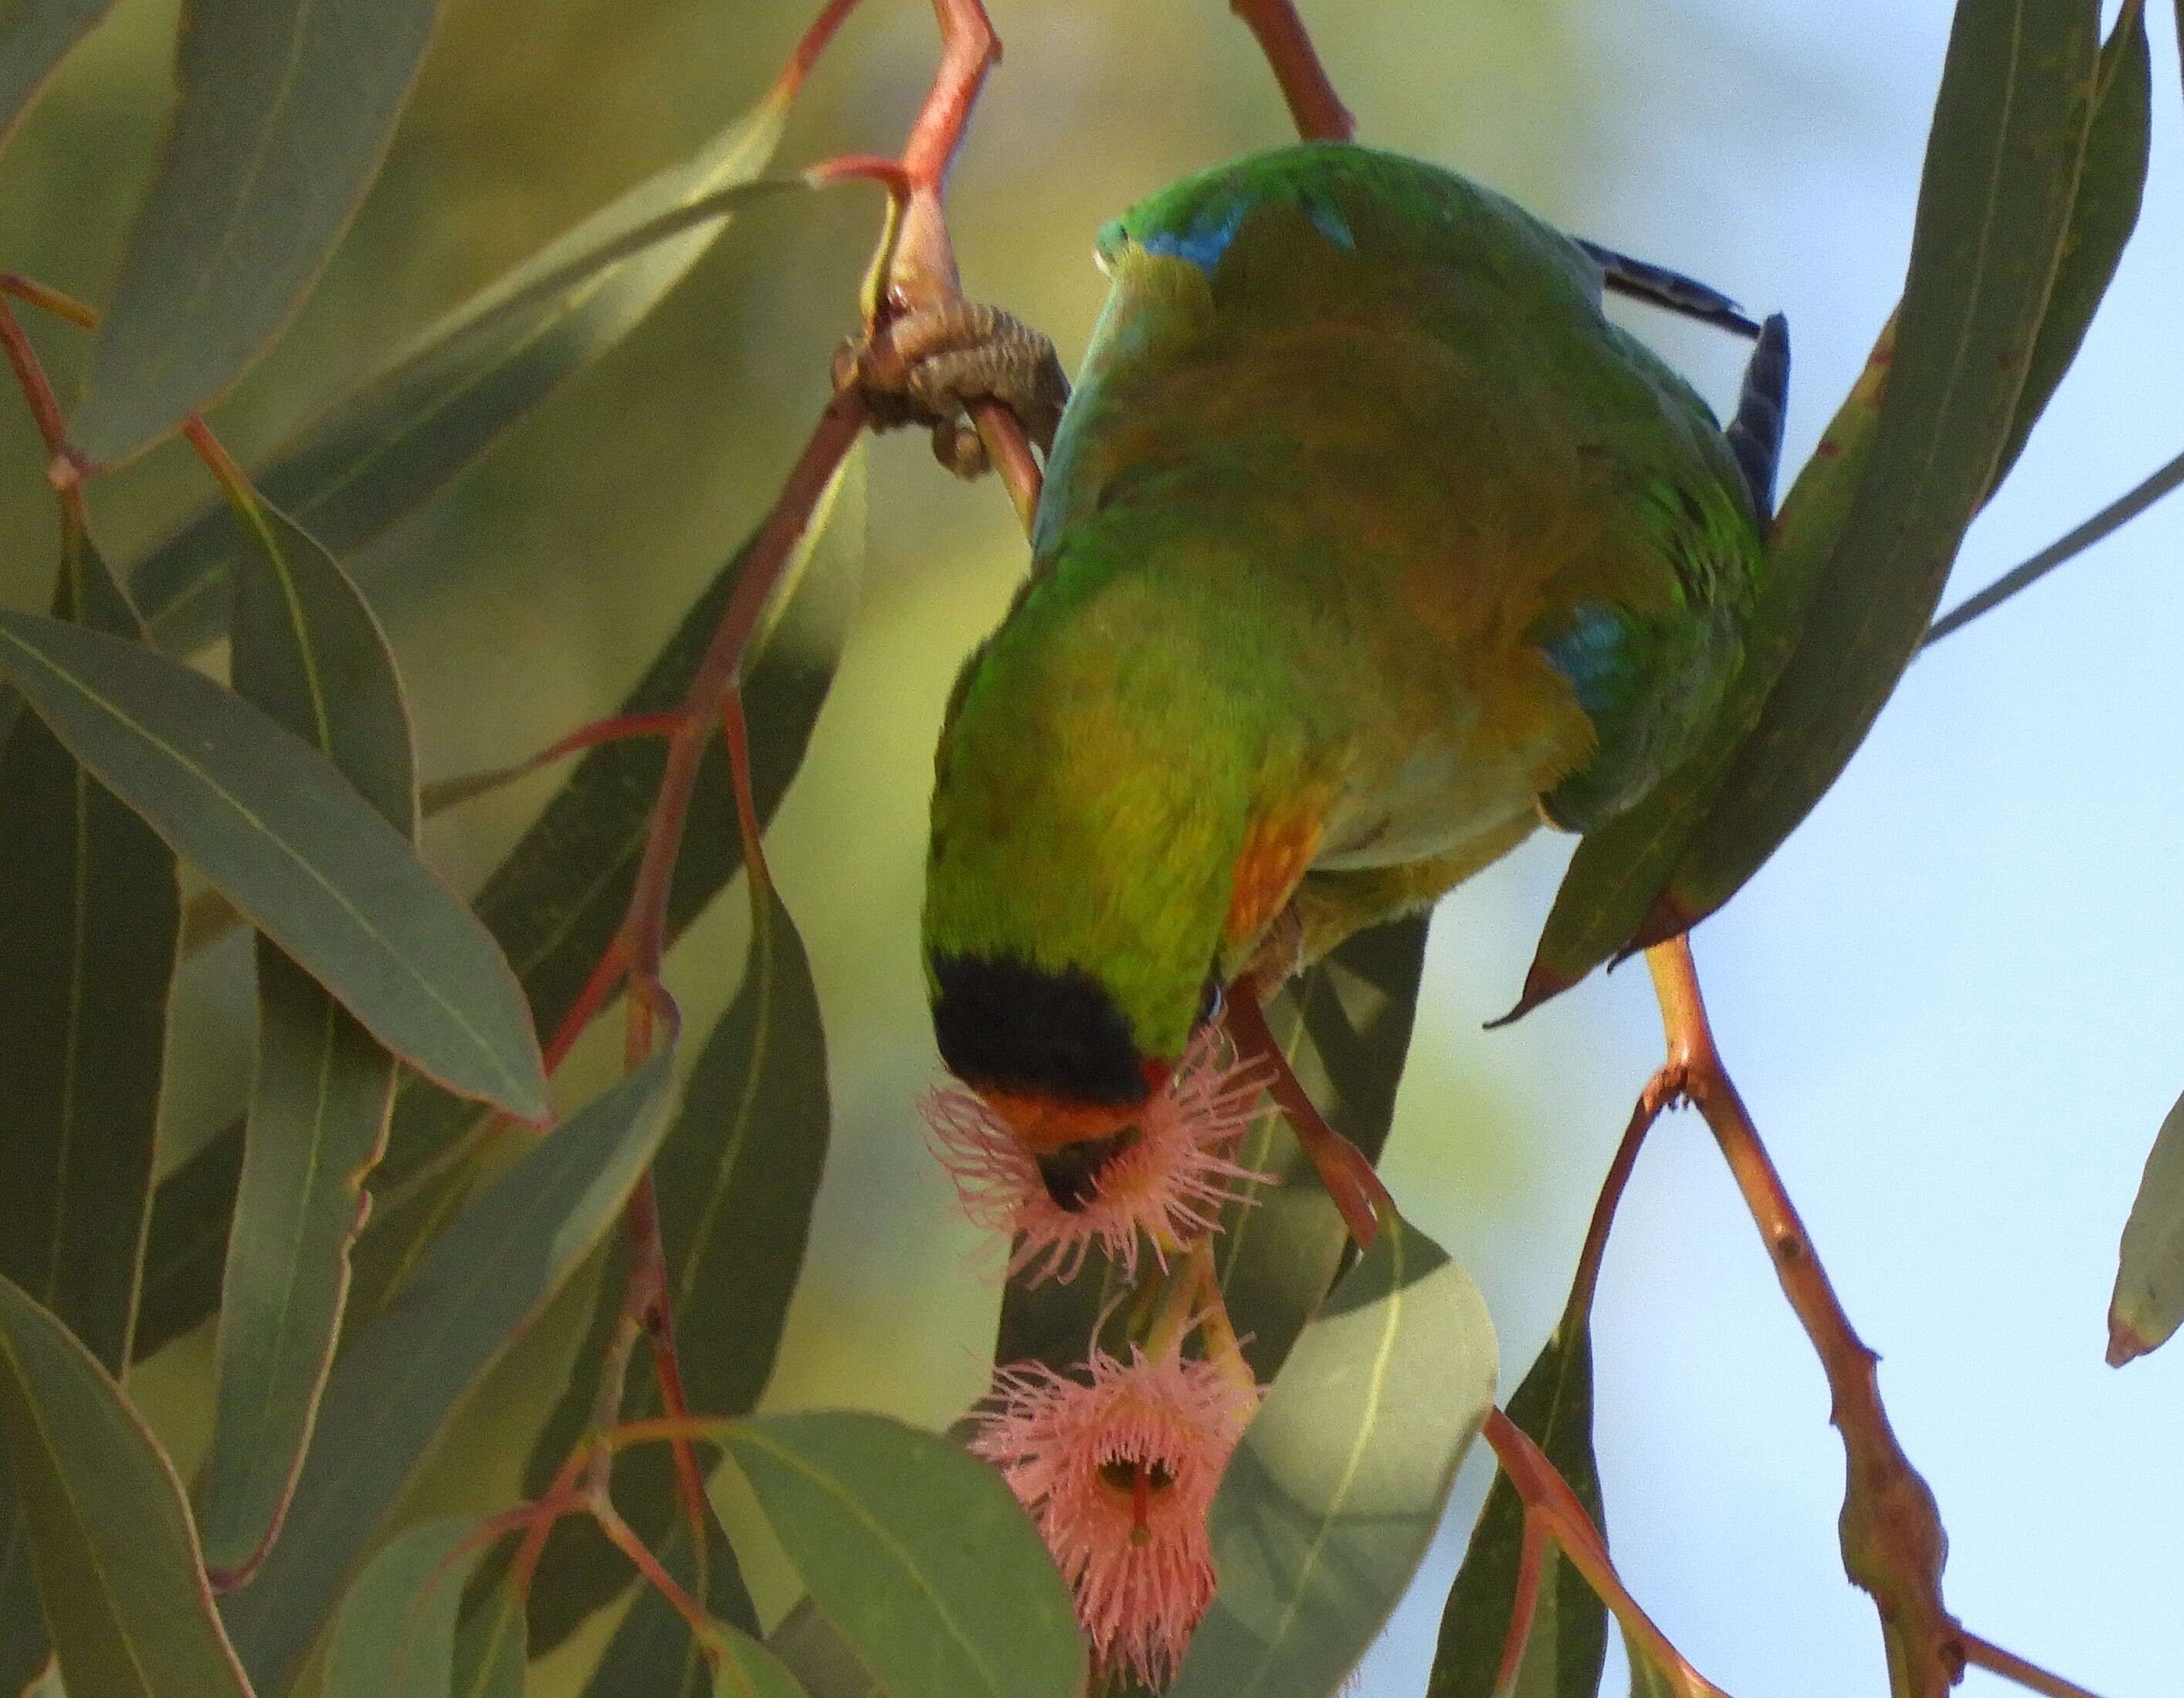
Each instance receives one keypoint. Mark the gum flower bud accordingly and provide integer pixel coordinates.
(1166, 1182)
(1118, 1472)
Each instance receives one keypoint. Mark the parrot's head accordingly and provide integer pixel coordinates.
(1055, 1053)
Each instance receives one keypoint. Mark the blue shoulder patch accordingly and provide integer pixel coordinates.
(1202, 241)
(1592, 655)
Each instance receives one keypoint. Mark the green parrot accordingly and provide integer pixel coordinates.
(1367, 543)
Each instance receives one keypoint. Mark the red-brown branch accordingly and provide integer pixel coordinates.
(1317, 110)
(1892, 1541)
(1550, 1504)
(1352, 1186)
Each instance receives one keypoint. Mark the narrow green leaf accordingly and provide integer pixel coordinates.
(1607, 898)
(2111, 182)
(1346, 1027)
(737, 1178)
(294, 847)
(555, 902)
(392, 1394)
(2149, 1303)
(126, 1597)
(1994, 216)
(1648, 1679)
(395, 1635)
(917, 1553)
(396, 441)
(287, 109)
(1568, 1647)
(1332, 1496)
(309, 655)
(35, 37)
(90, 920)
(749, 1670)
(491, 1651)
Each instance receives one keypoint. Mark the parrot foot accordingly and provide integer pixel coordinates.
(926, 367)
(1279, 956)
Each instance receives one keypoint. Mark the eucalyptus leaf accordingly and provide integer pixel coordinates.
(393, 443)
(2002, 166)
(555, 900)
(1611, 899)
(1334, 1493)
(37, 36)
(1567, 1648)
(918, 1555)
(395, 1635)
(2148, 1302)
(90, 921)
(309, 655)
(287, 109)
(808, 1645)
(125, 1597)
(477, 1286)
(737, 1177)
(272, 822)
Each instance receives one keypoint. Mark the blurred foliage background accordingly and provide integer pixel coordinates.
(1957, 1028)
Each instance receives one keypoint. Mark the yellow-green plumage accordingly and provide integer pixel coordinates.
(1365, 531)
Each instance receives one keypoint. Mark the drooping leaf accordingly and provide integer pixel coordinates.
(392, 443)
(2111, 182)
(294, 847)
(737, 1178)
(2148, 1302)
(1568, 1646)
(394, 1636)
(116, 1559)
(89, 921)
(1332, 1496)
(309, 655)
(36, 36)
(749, 1670)
(554, 901)
(917, 1553)
(1346, 1026)
(491, 1649)
(391, 1395)
(1994, 217)
(287, 109)
(1607, 900)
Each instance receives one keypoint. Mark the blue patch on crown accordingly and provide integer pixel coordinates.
(1202, 244)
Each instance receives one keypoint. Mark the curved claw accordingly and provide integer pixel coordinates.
(928, 366)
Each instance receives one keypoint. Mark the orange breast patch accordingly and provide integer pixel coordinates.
(1277, 850)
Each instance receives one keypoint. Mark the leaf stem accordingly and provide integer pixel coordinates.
(1662, 1089)
(1319, 112)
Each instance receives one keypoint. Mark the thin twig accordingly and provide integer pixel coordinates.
(1355, 1189)
(1893, 1542)
(1317, 111)
(1990, 1657)
(1662, 1089)
(2112, 517)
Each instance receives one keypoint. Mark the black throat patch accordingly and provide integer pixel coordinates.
(1008, 1025)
